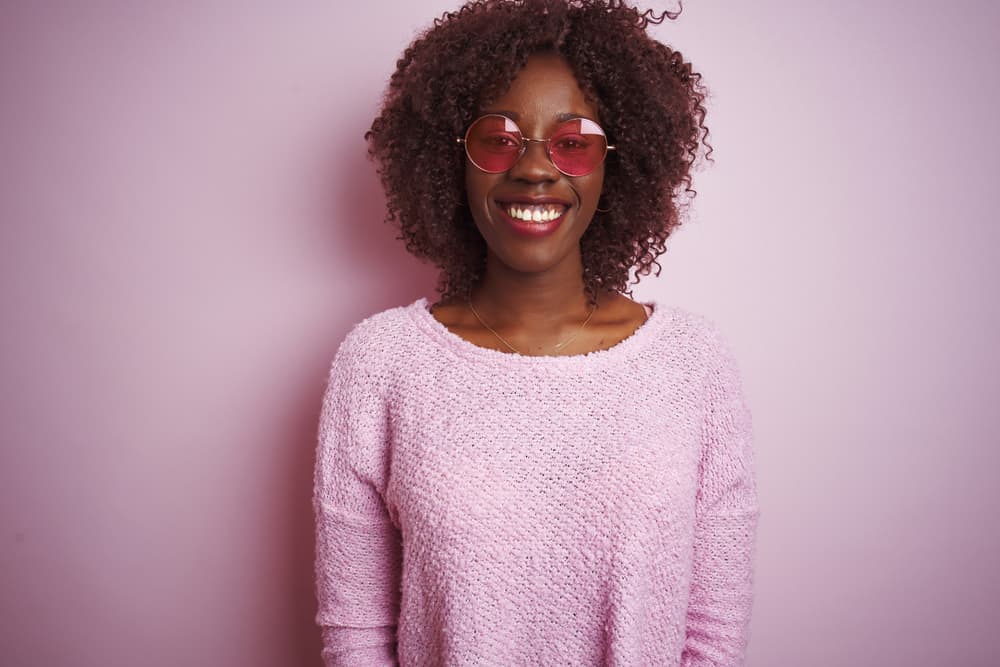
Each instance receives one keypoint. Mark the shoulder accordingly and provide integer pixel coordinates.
(379, 330)
(702, 336)
(372, 345)
(722, 374)
(687, 326)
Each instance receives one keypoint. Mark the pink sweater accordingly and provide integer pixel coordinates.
(475, 507)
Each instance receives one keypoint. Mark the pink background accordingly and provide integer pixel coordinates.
(190, 225)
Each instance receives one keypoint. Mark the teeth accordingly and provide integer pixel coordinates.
(543, 213)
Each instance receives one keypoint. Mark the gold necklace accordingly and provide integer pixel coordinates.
(502, 340)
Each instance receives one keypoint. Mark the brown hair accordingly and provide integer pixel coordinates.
(650, 103)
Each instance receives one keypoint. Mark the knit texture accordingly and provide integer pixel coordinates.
(478, 507)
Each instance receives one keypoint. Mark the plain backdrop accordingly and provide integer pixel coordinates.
(189, 225)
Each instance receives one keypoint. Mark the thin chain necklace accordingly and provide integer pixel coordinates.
(502, 340)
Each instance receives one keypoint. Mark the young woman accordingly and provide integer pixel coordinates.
(536, 469)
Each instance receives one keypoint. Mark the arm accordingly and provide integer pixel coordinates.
(726, 522)
(358, 549)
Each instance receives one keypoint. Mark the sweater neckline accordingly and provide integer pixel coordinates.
(420, 311)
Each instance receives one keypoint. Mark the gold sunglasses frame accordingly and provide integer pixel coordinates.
(524, 145)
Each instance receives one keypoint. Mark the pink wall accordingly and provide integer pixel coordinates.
(189, 225)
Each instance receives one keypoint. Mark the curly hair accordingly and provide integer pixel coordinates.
(649, 100)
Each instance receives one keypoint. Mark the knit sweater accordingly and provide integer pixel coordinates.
(482, 508)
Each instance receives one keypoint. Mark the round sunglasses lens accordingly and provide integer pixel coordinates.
(578, 147)
(493, 143)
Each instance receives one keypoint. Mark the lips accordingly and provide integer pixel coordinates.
(533, 216)
(533, 212)
(533, 201)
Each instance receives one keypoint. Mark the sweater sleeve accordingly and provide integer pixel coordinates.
(358, 547)
(727, 511)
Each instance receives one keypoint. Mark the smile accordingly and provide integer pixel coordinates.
(532, 220)
(537, 213)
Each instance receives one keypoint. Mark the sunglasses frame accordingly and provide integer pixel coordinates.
(524, 145)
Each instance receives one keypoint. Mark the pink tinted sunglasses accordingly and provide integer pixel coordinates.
(495, 143)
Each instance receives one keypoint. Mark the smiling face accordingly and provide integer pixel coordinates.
(544, 94)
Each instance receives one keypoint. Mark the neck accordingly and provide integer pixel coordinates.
(532, 301)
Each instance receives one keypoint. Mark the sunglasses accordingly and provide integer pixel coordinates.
(576, 147)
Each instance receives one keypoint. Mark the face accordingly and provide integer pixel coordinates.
(543, 94)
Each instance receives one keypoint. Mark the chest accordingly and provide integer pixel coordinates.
(520, 455)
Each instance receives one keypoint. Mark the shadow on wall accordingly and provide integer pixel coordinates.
(372, 271)
(381, 274)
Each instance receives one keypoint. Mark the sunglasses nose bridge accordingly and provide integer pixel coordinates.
(546, 154)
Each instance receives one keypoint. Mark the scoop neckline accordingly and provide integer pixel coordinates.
(623, 349)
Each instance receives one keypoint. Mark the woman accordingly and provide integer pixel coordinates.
(536, 469)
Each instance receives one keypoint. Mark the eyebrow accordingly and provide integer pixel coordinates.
(561, 117)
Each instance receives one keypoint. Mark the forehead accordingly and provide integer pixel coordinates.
(543, 92)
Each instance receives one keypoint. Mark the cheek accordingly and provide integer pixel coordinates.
(477, 188)
(473, 184)
(590, 189)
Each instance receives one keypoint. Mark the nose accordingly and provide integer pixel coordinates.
(534, 164)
